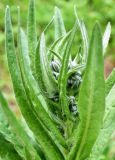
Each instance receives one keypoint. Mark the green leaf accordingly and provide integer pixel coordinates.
(18, 129)
(48, 25)
(107, 128)
(75, 69)
(38, 69)
(38, 75)
(31, 31)
(106, 37)
(110, 81)
(63, 74)
(91, 103)
(9, 136)
(50, 56)
(110, 101)
(56, 54)
(7, 150)
(34, 94)
(48, 147)
(84, 36)
(47, 76)
(59, 24)
(60, 47)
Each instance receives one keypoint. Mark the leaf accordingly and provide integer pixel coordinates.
(91, 101)
(106, 37)
(63, 74)
(49, 149)
(59, 24)
(34, 94)
(50, 57)
(47, 76)
(56, 54)
(9, 136)
(48, 25)
(13, 140)
(38, 72)
(7, 150)
(110, 81)
(17, 128)
(110, 101)
(38, 75)
(107, 128)
(84, 36)
(75, 69)
(31, 31)
(85, 40)
(60, 48)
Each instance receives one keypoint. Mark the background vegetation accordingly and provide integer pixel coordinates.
(88, 10)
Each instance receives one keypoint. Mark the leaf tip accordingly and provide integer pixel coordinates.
(7, 9)
(97, 26)
(56, 9)
(97, 30)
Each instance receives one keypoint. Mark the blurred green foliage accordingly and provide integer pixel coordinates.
(88, 10)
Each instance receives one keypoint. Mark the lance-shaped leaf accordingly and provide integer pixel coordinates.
(84, 36)
(49, 149)
(38, 75)
(110, 81)
(18, 129)
(31, 30)
(59, 24)
(107, 128)
(106, 37)
(91, 101)
(47, 76)
(34, 93)
(38, 69)
(63, 74)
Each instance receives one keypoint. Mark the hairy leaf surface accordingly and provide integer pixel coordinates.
(63, 74)
(91, 101)
(31, 30)
(46, 144)
(107, 128)
(59, 24)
